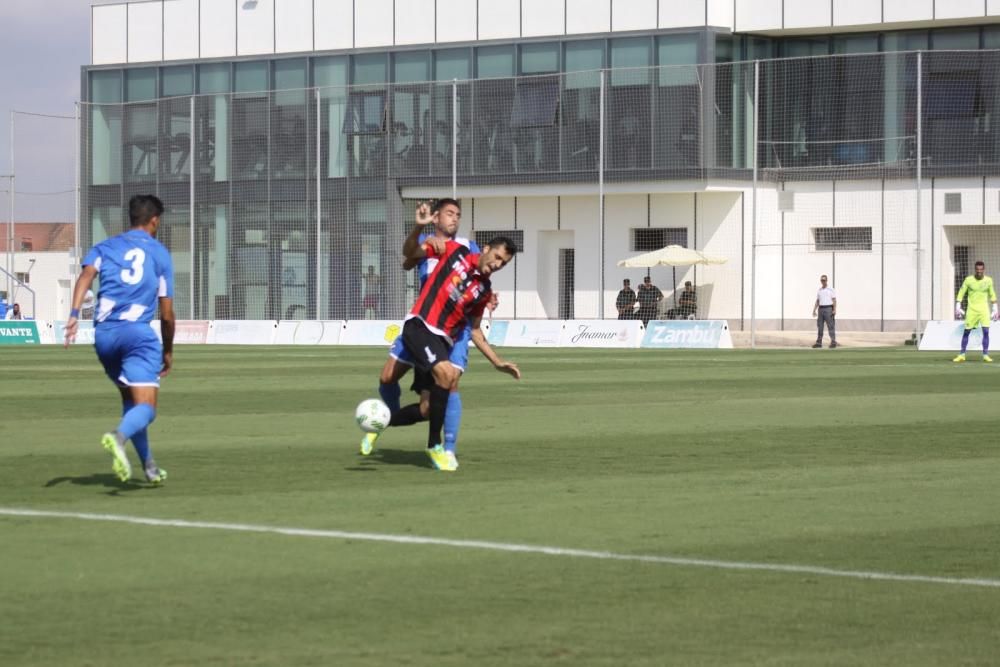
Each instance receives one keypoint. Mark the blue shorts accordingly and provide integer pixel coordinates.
(459, 356)
(132, 354)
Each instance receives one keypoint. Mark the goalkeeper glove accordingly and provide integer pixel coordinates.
(959, 313)
(996, 314)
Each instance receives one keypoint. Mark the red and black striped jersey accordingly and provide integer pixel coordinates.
(455, 293)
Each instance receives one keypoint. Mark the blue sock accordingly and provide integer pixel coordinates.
(136, 419)
(965, 339)
(986, 340)
(452, 420)
(390, 394)
(140, 439)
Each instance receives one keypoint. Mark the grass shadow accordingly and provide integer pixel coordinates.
(106, 480)
(399, 457)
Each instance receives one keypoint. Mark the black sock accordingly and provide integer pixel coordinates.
(407, 415)
(439, 405)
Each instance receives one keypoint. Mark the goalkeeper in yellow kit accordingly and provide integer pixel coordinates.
(981, 294)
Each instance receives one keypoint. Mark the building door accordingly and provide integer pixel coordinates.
(567, 285)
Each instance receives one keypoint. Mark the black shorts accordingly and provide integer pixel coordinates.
(422, 381)
(425, 347)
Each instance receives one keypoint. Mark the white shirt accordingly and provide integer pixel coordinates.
(825, 296)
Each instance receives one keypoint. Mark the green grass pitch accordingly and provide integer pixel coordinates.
(866, 461)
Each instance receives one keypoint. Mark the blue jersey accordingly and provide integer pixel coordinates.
(134, 271)
(428, 264)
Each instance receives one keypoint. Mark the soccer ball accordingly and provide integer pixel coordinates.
(372, 415)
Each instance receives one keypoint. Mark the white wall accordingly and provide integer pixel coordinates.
(109, 34)
(164, 29)
(180, 39)
(584, 16)
(456, 20)
(218, 28)
(758, 15)
(807, 14)
(682, 13)
(373, 24)
(635, 15)
(499, 19)
(543, 17)
(334, 24)
(48, 269)
(255, 27)
(856, 12)
(293, 26)
(145, 32)
(415, 21)
(908, 10)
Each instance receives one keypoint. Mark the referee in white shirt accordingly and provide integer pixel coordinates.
(825, 310)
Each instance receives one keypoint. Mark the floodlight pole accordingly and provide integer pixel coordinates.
(319, 200)
(454, 138)
(753, 217)
(191, 209)
(76, 196)
(10, 227)
(920, 178)
(600, 201)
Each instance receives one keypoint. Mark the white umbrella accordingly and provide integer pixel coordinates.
(672, 256)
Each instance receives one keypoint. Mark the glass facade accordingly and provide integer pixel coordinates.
(292, 160)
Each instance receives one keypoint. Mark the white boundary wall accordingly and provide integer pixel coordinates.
(620, 334)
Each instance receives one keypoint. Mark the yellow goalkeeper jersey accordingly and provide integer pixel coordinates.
(980, 292)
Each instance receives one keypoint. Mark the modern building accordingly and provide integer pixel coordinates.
(291, 138)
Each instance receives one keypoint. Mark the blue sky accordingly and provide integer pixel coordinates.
(43, 44)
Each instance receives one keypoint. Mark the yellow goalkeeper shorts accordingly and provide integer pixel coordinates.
(977, 318)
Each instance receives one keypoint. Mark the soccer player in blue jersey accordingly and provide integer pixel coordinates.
(136, 275)
(441, 221)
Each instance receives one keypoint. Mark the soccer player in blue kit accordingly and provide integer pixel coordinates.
(136, 275)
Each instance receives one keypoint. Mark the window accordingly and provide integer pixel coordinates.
(647, 239)
(953, 202)
(290, 74)
(452, 64)
(251, 77)
(494, 61)
(539, 58)
(213, 78)
(842, 238)
(483, 237)
(535, 103)
(106, 86)
(365, 113)
(140, 84)
(410, 67)
(368, 68)
(177, 81)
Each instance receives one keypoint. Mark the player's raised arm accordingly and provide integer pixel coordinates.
(422, 218)
(83, 283)
(479, 340)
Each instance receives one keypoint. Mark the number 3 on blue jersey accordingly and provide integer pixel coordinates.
(133, 275)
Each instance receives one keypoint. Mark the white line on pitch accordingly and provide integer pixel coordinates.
(503, 546)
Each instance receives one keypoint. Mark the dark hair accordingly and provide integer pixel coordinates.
(981, 263)
(505, 242)
(687, 283)
(143, 208)
(441, 203)
(627, 281)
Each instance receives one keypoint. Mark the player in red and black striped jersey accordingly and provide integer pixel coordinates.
(458, 291)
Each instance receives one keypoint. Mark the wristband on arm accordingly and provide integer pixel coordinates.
(74, 312)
